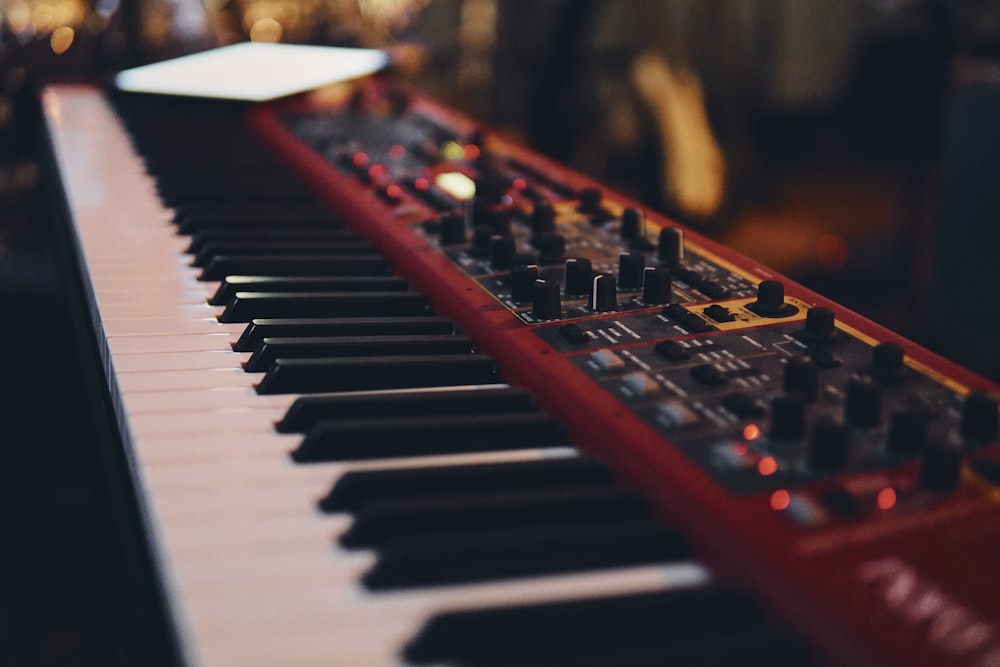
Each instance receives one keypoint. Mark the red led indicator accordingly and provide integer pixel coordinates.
(519, 184)
(360, 159)
(741, 449)
(471, 152)
(397, 151)
(421, 184)
(780, 500)
(751, 432)
(376, 171)
(886, 498)
(393, 191)
(767, 466)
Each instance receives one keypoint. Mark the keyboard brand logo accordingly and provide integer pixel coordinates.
(932, 613)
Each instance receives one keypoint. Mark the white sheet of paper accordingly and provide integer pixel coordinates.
(253, 71)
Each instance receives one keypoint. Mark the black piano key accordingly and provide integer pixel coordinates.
(213, 249)
(195, 217)
(307, 410)
(306, 376)
(503, 554)
(295, 265)
(248, 306)
(233, 284)
(704, 626)
(276, 232)
(272, 349)
(386, 521)
(261, 328)
(357, 489)
(348, 440)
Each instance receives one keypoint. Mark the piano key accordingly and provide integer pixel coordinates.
(295, 265)
(355, 491)
(200, 217)
(386, 521)
(261, 328)
(252, 305)
(344, 440)
(704, 625)
(304, 376)
(199, 239)
(233, 284)
(279, 247)
(307, 410)
(272, 349)
(520, 552)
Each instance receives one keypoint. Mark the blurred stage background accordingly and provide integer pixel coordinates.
(853, 145)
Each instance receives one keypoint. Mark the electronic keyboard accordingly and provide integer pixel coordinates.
(395, 389)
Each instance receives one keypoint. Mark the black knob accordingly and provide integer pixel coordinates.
(452, 229)
(543, 218)
(604, 294)
(829, 445)
(887, 362)
(941, 469)
(788, 418)
(551, 248)
(907, 433)
(656, 285)
(862, 403)
(801, 378)
(502, 249)
(670, 247)
(630, 268)
(820, 326)
(979, 417)
(579, 276)
(546, 304)
(771, 300)
(633, 223)
(590, 200)
(522, 282)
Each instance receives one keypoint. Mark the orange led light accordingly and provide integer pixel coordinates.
(767, 466)
(471, 152)
(886, 498)
(751, 432)
(780, 500)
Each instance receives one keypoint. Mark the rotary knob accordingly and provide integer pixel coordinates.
(820, 327)
(579, 276)
(771, 300)
(888, 362)
(656, 285)
(630, 270)
(545, 304)
(604, 293)
(551, 248)
(670, 246)
(522, 282)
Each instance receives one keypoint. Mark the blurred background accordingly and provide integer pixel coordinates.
(853, 145)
